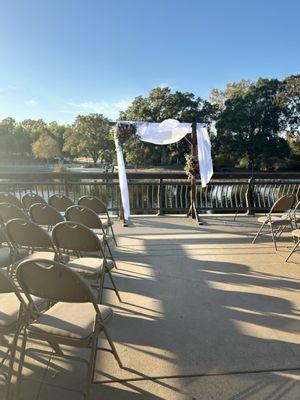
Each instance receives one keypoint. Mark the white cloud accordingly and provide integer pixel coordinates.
(31, 102)
(110, 110)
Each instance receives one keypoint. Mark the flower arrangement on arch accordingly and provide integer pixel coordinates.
(191, 166)
(125, 131)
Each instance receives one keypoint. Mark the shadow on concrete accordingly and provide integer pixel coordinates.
(207, 317)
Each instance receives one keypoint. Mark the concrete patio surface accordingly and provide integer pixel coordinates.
(205, 315)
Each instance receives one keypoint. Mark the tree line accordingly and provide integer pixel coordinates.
(253, 124)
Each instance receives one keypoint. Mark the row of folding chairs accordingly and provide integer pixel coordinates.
(70, 256)
(284, 214)
(45, 215)
(61, 203)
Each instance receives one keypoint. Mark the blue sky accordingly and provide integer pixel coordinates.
(59, 58)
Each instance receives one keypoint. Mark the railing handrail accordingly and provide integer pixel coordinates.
(173, 175)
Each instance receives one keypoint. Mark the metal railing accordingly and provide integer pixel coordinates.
(161, 192)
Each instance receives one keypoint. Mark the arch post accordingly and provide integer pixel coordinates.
(193, 198)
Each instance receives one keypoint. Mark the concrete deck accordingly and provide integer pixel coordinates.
(205, 315)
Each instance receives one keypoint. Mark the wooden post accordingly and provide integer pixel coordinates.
(160, 210)
(193, 181)
(249, 196)
(121, 210)
(193, 200)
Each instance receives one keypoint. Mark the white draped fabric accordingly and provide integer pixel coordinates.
(122, 180)
(204, 154)
(167, 132)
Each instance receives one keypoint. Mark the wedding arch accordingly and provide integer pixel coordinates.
(164, 133)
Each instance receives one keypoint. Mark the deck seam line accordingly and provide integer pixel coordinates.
(217, 374)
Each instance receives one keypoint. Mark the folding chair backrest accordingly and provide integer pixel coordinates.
(93, 203)
(10, 211)
(284, 203)
(53, 281)
(43, 214)
(74, 236)
(60, 202)
(31, 198)
(22, 232)
(83, 215)
(11, 199)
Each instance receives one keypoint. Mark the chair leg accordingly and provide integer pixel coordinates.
(258, 233)
(11, 363)
(294, 248)
(280, 232)
(235, 215)
(273, 236)
(113, 235)
(101, 285)
(91, 367)
(113, 348)
(114, 285)
(21, 362)
(111, 256)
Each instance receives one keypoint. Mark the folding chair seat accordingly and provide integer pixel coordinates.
(10, 307)
(69, 321)
(60, 202)
(89, 267)
(276, 221)
(32, 198)
(78, 238)
(75, 320)
(100, 209)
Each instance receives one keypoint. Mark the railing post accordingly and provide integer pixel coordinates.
(66, 185)
(160, 197)
(249, 196)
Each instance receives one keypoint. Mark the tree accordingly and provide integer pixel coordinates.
(58, 132)
(7, 127)
(90, 136)
(25, 134)
(45, 148)
(233, 90)
(250, 125)
(161, 104)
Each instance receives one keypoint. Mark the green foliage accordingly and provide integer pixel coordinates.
(161, 104)
(258, 126)
(18, 139)
(90, 136)
(45, 148)
(251, 123)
